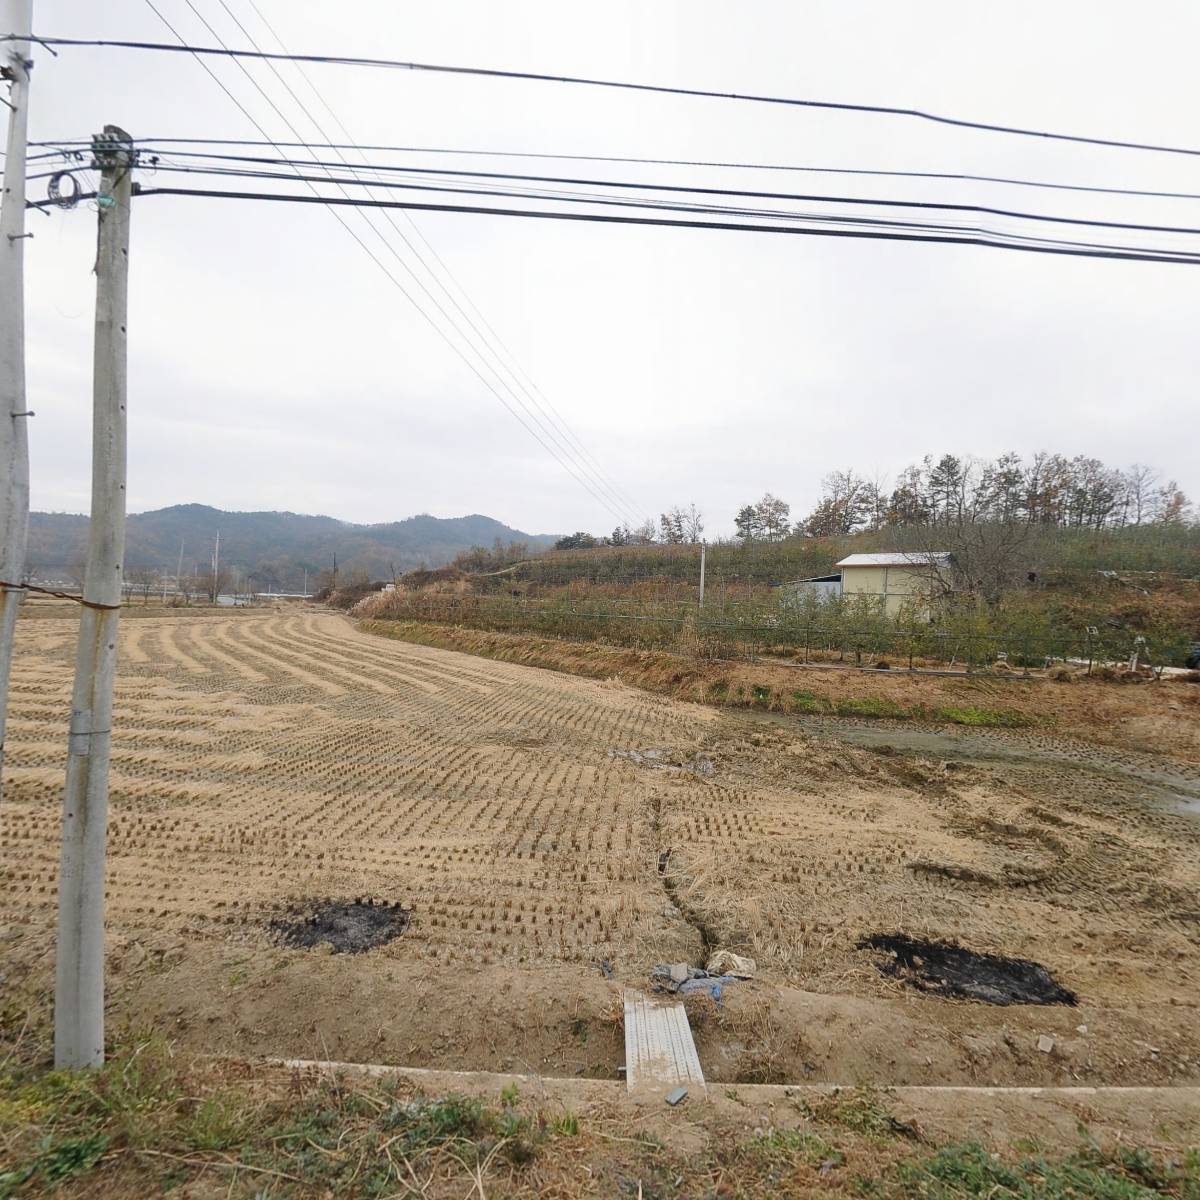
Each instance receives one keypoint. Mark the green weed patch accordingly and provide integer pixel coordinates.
(860, 1110)
(874, 706)
(969, 1170)
(142, 1113)
(997, 718)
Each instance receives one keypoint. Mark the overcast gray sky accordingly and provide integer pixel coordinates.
(273, 366)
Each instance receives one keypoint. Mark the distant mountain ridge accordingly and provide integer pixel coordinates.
(281, 545)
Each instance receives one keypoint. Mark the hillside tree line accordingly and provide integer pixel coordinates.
(951, 501)
(950, 492)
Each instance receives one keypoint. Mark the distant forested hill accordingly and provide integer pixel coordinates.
(279, 546)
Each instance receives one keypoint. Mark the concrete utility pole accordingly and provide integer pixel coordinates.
(702, 548)
(16, 16)
(79, 986)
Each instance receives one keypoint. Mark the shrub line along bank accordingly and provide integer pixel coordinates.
(841, 632)
(704, 682)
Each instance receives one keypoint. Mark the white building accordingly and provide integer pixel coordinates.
(895, 579)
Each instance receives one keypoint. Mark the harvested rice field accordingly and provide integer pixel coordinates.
(327, 844)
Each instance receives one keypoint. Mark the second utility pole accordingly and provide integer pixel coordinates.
(14, 417)
(79, 982)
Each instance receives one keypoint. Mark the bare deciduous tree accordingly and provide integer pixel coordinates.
(847, 503)
(1140, 484)
(76, 569)
(693, 523)
(1171, 506)
(765, 521)
(644, 534)
(214, 583)
(986, 558)
(142, 582)
(679, 525)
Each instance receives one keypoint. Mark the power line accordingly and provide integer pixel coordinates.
(677, 206)
(775, 214)
(514, 369)
(209, 71)
(331, 203)
(451, 173)
(1071, 249)
(691, 190)
(622, 85)
(566, 198)
(550, 432)
(717, 164)
(569, 463)
(580, 456)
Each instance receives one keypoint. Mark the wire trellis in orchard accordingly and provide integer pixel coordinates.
(715, 634)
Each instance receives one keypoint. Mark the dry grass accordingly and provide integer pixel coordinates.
(1163, 717)
(153, 1121)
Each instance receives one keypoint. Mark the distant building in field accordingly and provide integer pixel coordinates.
(895, 579)
(818, 585)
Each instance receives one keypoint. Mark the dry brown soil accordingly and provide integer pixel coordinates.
(266, 759)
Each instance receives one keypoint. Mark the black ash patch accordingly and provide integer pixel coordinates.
(350, 927)
(950, 970)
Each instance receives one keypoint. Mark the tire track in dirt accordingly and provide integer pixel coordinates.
(325, 650)
(461, 668)
(329, 665)
(435, 793)
(172, 637)
(445, 664)
(209, 636)
(246, 639)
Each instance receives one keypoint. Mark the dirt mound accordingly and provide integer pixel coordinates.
(349, 927)
(956, 971)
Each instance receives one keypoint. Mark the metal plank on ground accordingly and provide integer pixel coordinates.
(659, 1051)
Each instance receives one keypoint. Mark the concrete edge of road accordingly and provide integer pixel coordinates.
(484, 1081)
(1059, 1118)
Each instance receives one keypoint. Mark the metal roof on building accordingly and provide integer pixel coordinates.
(894, 559)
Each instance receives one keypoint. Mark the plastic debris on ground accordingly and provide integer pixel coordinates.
(714, 985)
(725, 962)
(668, 760)
(686, 980)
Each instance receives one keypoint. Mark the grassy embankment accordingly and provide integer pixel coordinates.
(763, 686)
(150, 1123)
(1154, 717)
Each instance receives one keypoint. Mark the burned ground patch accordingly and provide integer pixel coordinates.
(950, 970)
(350, 927)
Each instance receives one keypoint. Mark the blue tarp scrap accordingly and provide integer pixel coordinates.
(712, 984)
(697, 981)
